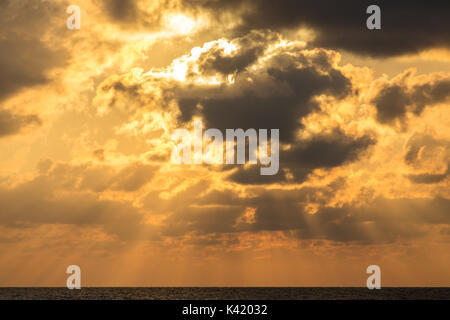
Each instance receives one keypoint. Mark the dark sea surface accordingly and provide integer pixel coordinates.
(233, 293)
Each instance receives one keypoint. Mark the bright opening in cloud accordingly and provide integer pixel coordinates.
(180, 24)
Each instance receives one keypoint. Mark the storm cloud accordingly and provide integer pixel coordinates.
(276, 94)
(407, 26)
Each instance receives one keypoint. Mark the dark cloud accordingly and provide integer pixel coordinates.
(122, 92)
(423, 148)
(227, 65)
(380, 220)
(280, 93)
(11, 123)
(320, 151)
(429, 178)
(278, 96)
(394, 101)
(327, 150)
(251, 47)
(122, 10)
(391, 103)
(25, 58)
(272, 94)
(99, 154)
(415, 144)
(20, 66)
(33, 203)
(407, 26)
(202, 220)
(252, 175)
(134, 14)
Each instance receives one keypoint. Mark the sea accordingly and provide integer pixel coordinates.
(225, 293)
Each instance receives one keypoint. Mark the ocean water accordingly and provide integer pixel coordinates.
(231, 293)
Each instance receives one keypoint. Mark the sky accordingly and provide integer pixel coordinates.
(86, 118)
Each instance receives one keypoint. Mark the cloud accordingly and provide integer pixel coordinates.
(275, 84)
(422, 147)
(244, 52)
(25, 58)
(201, 220)
(56, 196)
(426, 151)
(100, 178)
(428, 177)
(276, 93)
(11, 123)
(271, 84)
(428, 157)
(327, 150)
(380, 220)
(320, 151)
(99, 154)
(400, 97)
(343, 25)
(138, 14)
(261, 80)
(122, 10)
(134, 176)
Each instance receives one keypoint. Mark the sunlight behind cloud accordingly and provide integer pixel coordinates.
(180, 24)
